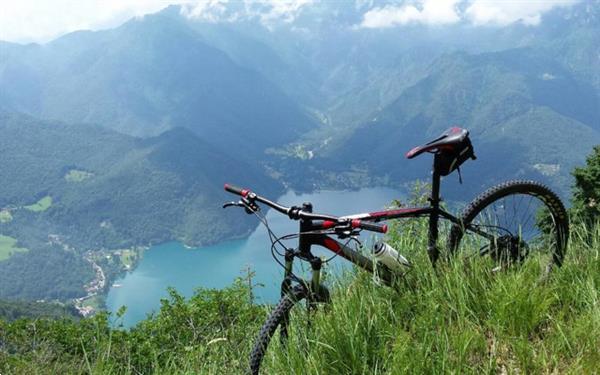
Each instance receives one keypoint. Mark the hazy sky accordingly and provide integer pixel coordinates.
(42, 20)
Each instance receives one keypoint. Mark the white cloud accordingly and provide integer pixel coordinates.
(477, 12)
(207, 10)
(278, 10)
(429, 12)
(529, 12)
(42, 20)
(268, 12)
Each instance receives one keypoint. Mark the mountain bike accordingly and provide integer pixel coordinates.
(507, 224)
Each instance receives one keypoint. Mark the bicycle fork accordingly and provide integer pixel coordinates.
(286, 287)
(317, 293)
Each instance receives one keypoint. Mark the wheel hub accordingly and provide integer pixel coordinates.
(509, 249)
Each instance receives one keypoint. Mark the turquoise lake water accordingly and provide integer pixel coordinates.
(173, 265)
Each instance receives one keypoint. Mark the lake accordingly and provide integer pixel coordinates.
(173, 265)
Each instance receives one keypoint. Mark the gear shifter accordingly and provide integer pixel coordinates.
(249, 205)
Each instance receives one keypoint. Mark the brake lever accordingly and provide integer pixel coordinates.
(230, 204)
(249, 206)
(345, 231)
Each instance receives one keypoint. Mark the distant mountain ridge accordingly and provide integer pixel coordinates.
(148, 76)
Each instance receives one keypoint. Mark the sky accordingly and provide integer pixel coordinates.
(26, 21)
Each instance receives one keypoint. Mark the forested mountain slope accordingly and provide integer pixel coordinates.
(68, 189)
(109, 189)
(524, 110)
(315, 86)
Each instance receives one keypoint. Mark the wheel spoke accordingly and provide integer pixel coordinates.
(513, 223)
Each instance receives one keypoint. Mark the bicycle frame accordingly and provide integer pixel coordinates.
(312, 227)
(308, 239)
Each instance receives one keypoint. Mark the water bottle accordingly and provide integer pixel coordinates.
(387, 255)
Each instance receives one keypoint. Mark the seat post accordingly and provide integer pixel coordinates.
(434, 200)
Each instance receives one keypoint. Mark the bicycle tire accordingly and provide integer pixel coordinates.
(547, 199)
(279, 314)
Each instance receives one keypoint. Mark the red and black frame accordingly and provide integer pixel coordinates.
(315, 229)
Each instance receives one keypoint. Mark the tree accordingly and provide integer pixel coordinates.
(586, 192)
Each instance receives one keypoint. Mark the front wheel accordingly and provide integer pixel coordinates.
(512, 222)
(279, 318)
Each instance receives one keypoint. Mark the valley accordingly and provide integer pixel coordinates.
(118, 140)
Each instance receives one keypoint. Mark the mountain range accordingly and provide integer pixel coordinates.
(123, 137)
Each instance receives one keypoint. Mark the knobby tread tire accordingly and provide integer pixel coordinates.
(507, 188)
(274, 320)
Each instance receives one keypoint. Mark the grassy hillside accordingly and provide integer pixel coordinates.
(466, 321)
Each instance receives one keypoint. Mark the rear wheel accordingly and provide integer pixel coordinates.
(279, 318)
(511, 223)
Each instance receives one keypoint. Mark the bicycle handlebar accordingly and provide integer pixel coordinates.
(296, 213)
(236, 190)
(373, 227)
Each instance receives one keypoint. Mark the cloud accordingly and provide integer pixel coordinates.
(477, 12)
(35, 20)
(283, 10)
(482, 12)
(268, 12)
(206, 10)
(428, 12)
(43, 20)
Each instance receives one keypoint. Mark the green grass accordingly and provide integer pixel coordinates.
(458, 320)
(5, 216)
(75, 175)
(128, 257)
(41, 205)
(8, 247)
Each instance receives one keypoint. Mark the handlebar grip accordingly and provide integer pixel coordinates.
(236, 190)
(373, 227)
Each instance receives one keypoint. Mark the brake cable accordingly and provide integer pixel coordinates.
(278, 240)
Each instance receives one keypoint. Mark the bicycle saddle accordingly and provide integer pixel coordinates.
(449, 140)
